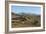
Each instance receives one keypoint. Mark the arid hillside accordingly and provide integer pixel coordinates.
(25, 20)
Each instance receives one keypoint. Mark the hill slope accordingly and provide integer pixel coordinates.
(25, 20)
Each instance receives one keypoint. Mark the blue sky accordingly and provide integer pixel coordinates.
(26, 9)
